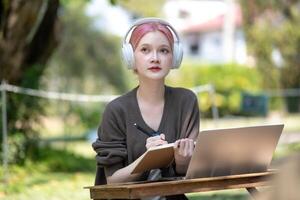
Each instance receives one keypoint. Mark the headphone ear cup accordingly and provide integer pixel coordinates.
(128, 56)
(177, 55)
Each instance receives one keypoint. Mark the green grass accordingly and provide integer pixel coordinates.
(290, 121)
(53, 174)
(220, 195)
(49, 186)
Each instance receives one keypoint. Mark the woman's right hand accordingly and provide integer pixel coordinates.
(156, 141)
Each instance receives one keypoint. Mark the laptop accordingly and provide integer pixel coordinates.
(232, 151)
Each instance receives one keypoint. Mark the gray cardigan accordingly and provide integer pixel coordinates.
(120, 143)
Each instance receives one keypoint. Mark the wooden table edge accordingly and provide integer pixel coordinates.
(141, 189)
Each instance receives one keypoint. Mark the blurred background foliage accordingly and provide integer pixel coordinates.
(86, 60)
(138, 8)
(28, 36)
(229, 81)
(274, 26)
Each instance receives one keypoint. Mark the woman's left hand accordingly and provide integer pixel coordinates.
(183, 152)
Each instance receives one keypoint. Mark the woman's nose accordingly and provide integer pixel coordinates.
(154, 57)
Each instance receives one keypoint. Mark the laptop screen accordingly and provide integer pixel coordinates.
(231, 151)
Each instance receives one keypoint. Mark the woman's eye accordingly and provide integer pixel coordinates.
(165, 51)
(144, 49)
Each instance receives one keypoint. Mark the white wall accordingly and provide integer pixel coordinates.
(210, 47)
(211, 44)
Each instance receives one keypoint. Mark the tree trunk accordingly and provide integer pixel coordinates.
(28, 36)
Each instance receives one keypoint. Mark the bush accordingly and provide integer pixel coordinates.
(229, 80)
(57, 160)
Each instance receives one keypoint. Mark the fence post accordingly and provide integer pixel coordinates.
(215, 112)
(4, 131)
(211, 91)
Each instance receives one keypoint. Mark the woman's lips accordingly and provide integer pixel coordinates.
(154, 69)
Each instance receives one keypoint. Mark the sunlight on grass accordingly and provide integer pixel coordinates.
(54, 174)
(237, 194)
(82, 148)
(51, 186)
(291, 122)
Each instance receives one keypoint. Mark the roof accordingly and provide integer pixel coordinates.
(215, 23)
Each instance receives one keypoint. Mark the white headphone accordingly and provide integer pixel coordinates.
(127, 49)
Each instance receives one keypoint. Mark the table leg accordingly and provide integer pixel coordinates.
(253, 192)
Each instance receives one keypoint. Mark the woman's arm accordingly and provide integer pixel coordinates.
(124, 174)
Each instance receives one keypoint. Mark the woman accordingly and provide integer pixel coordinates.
(173, 113)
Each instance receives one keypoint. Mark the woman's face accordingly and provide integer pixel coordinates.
(153, 56)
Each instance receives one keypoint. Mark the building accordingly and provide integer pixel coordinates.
(210, 30)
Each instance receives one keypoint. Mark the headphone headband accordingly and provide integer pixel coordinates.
(149, 20)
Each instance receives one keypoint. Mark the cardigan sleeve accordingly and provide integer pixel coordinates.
(190, 126)
(111, 143)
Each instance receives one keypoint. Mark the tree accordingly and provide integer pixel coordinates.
(143, 8)
(86, 59)
(29, 33)
(274, 25)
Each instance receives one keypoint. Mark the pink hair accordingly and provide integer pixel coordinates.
(143, 29)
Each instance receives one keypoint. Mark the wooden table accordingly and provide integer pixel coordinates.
(137, 190)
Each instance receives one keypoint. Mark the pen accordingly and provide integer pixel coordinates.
(145, 132)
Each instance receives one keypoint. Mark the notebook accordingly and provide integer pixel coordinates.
(154, 158)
